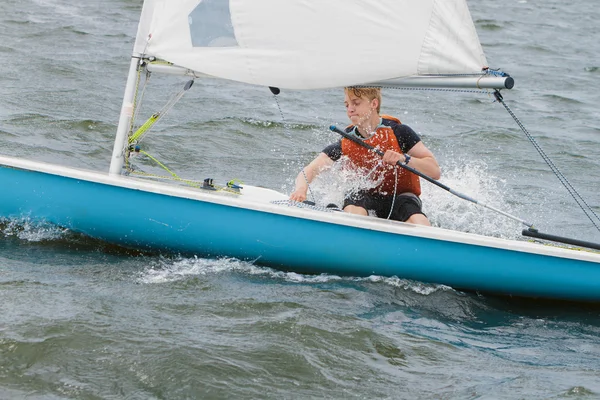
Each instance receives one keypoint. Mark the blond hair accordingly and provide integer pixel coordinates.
(369, 93)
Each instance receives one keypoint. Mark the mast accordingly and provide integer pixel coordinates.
(141, 42)
(117, 159)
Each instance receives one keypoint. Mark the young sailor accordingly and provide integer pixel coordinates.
(396, 195)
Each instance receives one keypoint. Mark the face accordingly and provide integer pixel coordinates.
(359, 109)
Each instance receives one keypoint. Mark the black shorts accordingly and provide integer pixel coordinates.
(405, 205)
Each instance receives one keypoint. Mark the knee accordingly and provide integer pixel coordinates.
(355, 210)
(418, 219)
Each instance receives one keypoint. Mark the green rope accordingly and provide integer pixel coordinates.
(144, 128)
(231, 187)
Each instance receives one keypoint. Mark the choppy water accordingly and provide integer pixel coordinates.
(82, 319)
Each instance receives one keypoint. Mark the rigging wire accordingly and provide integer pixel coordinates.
(137, 101)
(134, 138)
(585, 207)
(138, 98)
(275, 92)
(142, 130)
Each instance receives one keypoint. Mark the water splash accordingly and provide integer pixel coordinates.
(425, 289)
(443, 208)
(473, 179)
(165, 270)
(32, 231)
(168, 270)
(332, 185)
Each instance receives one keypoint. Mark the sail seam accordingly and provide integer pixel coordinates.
(429, 27)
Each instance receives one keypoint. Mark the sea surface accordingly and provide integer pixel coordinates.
(81, 319)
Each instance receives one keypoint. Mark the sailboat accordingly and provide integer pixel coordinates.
(297, 44)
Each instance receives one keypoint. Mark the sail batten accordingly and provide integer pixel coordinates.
(312, 44)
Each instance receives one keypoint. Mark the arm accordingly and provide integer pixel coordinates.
(422, 160)
(311, 170)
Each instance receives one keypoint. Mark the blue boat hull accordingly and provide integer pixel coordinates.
(151, 220)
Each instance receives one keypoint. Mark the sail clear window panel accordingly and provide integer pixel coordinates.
(210, 25)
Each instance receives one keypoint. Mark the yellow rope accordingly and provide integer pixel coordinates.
(142, 129)
(163, 166)
(230, 187)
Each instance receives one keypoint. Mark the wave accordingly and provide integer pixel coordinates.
(563, 99)
(71, 125)
(538, 48)
(489, 25)
(7, 133)
(5, 49)
(251, 122)
(165, 270)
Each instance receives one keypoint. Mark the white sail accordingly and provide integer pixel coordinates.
(309, 44)
(143, 31)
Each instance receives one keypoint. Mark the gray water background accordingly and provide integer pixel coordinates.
(82, 319)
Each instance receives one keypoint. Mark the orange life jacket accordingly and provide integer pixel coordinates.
(383, 139)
